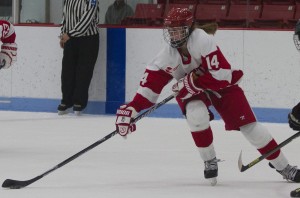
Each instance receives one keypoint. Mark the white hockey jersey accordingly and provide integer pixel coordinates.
(205, 56)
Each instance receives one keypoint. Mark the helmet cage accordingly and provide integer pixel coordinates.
(296, 38)
(177, 25)
(176, 36)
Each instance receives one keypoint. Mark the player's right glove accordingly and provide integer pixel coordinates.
(125, 116)
(186, 88)
(294, 118)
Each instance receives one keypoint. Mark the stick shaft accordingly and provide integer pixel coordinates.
(147, 112)
(14, 184)
(262, 157)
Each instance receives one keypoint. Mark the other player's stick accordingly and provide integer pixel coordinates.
(16, 184)
(260, 158)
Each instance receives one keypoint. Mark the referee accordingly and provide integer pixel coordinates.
(80, 42)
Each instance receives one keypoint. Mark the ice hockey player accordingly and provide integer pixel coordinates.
(8, 53)
(294, 116)
(204, 78)
(297, 36)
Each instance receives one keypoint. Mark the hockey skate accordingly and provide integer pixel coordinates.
(77, 109)
(290, 173)
(295, 193)
(63, 109)
(211, 170)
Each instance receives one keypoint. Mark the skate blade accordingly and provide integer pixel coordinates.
(78, 113)
(63, 112)
(213, 181)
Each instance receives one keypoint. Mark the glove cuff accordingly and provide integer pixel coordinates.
(124, 111)
(190, 85)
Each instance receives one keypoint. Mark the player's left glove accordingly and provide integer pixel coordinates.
(125, 115)
(294, 118)
(186, 87)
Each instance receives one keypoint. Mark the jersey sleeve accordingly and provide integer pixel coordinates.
(218, 73)
(151, 85)
(7, 32)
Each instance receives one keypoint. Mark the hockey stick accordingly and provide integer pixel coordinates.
(16, 184)
(260, 158)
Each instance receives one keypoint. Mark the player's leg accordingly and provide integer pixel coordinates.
(68, 76)
(198, 117)
(239, 115)
(88, 53)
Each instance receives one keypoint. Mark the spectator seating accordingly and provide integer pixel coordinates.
(275, 14)
(220, 2)
(161, 1)
(279, 2)
(211, 11)
(184, 1)
(292, 22)
(169, 6)
(227, 13)
(178, 1)
(245, 2)
(242, 13)
(145, 14)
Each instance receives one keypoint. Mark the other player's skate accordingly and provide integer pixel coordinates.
(290, 173)
(295, 193)
(211, 170)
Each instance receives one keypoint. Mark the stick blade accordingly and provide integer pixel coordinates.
(242, 168)
(14, 184)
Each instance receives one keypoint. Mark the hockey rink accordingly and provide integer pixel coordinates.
(159, 160)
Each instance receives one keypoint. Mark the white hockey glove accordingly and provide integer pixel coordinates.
(185, 87)
(5, 61)
(125, 115)
(8, 55)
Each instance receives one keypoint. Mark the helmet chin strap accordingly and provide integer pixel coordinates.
(178, 44)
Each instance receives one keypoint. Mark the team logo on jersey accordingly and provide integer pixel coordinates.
(93, 2)
(170, 69)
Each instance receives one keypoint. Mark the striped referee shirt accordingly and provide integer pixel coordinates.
(80, 17)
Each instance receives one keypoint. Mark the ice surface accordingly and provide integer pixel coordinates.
(159, 160)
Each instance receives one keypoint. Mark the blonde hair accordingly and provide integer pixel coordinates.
(209, 28)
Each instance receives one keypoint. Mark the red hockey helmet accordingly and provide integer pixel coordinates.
(177, 26)
(179, 17)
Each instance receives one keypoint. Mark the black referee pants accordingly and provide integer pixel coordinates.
(79, 58)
